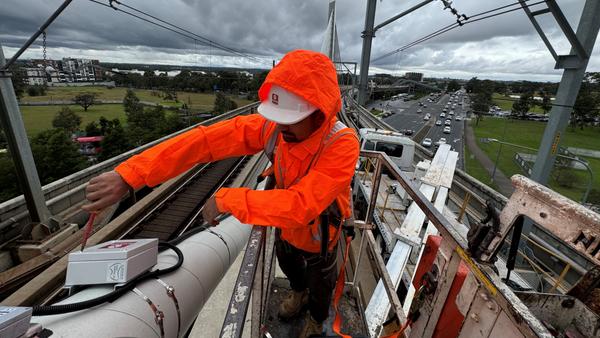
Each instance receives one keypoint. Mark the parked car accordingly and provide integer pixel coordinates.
(447, 130)
(438, 122)
(442, 115)
(458, 118)
(419, 110)
(426, 142)
(448, 122)
(426, 118)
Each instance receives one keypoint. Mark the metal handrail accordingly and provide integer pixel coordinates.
(244, 287)
(13, 212)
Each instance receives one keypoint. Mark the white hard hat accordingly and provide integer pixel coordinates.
(284, 107)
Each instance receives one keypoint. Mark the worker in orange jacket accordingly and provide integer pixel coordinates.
(313, 159)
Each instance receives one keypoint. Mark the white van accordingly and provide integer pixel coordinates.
(400, 148)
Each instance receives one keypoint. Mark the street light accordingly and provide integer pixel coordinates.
(589, 187)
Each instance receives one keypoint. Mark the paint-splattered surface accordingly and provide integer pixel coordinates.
(352, 323)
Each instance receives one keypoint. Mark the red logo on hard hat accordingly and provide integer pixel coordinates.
(275, 98)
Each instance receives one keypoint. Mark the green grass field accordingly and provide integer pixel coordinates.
(475, 169)
(506, 102)
(198, 101)
(39, 118)
(529, 134)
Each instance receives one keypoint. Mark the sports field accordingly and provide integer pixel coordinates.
(529, 134)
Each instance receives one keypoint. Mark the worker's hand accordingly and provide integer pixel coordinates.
(105, 190)
(210, 211)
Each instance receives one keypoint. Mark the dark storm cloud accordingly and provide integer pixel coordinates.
(503, 46)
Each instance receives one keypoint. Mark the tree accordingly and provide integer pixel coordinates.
(56, 156)
(522, 105)
(115, 140)
(546, 104)
(453, 86)
(36, 90)
(8, 178)
(173, 123)
(132, 104)
(481, 104)
(18, 80)
(146, 126)
(223, 103)
(67, 120)
(92, 129)
(586, 102)
(85, 100)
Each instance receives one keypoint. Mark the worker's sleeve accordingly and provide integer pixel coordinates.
(239, 136)
(297, 205)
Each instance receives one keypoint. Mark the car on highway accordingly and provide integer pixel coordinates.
(442, 115)
(448, 122)
(438, 122)
(447, 130)
(426, 118)
(458, 118)
(441, 140)
(426, 142)
(407, 132)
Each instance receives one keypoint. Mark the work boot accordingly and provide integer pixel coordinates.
(311, 328)
(293, 303)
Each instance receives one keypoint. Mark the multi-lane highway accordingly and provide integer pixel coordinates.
(410, 115)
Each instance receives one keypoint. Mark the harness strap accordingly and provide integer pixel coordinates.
(332, 212)
(339, 289)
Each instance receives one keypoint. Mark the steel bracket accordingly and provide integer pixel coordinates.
(568, 62)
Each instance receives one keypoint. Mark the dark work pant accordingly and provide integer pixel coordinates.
(309, 270)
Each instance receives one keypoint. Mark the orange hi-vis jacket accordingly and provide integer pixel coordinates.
(310, 175)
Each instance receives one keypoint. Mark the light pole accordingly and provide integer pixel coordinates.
(499, 150)
(589, 186)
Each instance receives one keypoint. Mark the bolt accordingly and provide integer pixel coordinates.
(484, 296)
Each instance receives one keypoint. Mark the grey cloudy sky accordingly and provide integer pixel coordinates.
(504, 47)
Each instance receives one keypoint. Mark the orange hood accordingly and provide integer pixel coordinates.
(310, 75)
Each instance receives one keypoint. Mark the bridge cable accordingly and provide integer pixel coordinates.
(455, 25)
(181, 31)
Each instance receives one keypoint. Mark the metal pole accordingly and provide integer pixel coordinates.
(365, 58)
(499, 150)
(37, 34)
(568, 89)
(18, 143)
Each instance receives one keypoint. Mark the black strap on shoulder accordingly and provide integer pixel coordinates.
(332, 214)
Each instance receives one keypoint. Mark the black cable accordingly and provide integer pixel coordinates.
(207, 40)
(47, 310)
(456, 25)
(181, 31)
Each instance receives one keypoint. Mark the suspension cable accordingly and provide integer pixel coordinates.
(479, 17)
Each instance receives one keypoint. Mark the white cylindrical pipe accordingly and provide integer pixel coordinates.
(207, 256)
